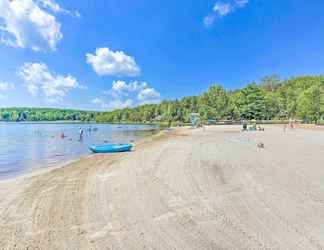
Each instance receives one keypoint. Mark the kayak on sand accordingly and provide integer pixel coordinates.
(111, 148)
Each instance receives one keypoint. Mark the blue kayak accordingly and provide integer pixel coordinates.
(111, 148)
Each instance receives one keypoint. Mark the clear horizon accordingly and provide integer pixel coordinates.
(115, 54)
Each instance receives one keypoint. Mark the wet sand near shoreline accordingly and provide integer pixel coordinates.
(184, 189)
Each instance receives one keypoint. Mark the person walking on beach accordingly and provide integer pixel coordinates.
(285, 127)
(291, 123)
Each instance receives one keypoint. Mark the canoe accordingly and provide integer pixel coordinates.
(111, 148)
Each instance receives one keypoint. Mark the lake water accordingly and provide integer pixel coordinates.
(28, 146)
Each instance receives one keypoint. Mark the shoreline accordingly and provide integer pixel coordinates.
(48, 168)
(77, 122)
(41, 167)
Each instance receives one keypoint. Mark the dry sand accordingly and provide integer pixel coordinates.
(187, 189)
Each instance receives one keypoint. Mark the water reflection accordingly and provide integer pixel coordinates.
(27, 146)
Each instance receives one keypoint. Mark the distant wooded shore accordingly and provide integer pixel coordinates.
(272, 99)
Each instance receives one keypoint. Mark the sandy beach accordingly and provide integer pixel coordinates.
(182, 189)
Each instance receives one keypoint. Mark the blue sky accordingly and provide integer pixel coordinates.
(108, 54)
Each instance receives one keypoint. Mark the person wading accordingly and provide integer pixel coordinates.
(81, 134)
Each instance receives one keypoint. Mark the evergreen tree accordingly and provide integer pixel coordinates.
(252, 104)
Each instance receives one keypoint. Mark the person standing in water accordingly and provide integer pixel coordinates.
(81, 134)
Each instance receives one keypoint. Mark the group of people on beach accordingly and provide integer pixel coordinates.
(292, 124)
(253, 127)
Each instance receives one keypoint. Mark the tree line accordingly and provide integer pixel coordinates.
(299, 98)
(45, 114)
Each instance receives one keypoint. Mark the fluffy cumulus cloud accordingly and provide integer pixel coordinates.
(113, 104)
(31, 23)
(121, 88)
(123, 95)
(5, 87)
(148, 95)
(38, 79)
(222, 9)
(113, 63)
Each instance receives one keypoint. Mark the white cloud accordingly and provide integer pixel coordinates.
(51, 5)
(121, 88)
(30, 23)
(56, 8)
(123, 94)
(148, 95)
(108, 62)
(113, 104)
(119, 104)
(5, 87)
(222, 9)
(38, 79)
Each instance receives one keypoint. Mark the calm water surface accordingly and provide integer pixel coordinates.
(24, 147)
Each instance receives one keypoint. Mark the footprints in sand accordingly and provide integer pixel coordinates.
(314, 198)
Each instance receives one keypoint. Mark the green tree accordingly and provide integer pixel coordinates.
(5, 115)
(252, 104)
(272, 106)
(310, 103)
(233, 105)
(270, 83)
(214, 103)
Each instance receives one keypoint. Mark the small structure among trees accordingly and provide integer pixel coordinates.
(195, 120)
